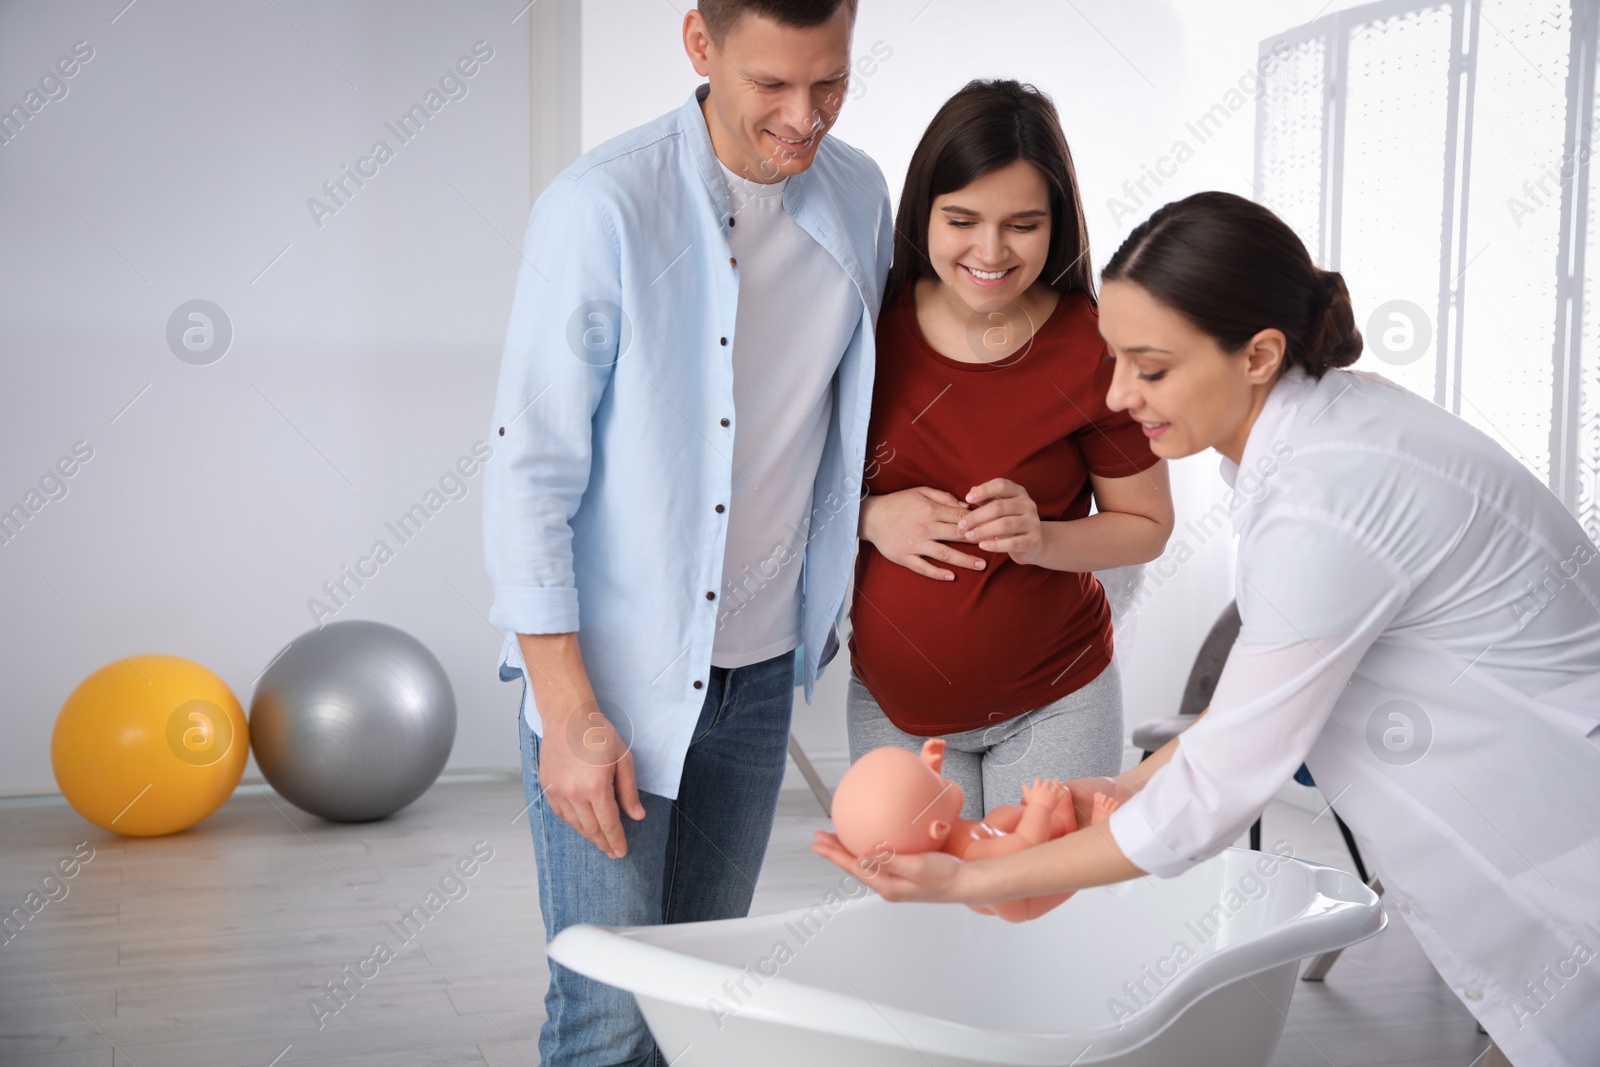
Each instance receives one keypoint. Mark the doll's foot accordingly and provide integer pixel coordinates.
(1102, 806)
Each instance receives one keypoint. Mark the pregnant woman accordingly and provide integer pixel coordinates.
(975, 616)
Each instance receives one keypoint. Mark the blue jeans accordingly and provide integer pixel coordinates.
(693, 858)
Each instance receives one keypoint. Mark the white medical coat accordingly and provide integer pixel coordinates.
(1421, 627)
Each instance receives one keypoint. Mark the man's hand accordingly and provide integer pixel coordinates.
(585, 768)
(1005, 519)
(911, 526)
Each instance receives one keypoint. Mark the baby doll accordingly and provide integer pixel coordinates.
(891, 799)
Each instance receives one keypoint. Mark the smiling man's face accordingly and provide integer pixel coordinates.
(775, 92)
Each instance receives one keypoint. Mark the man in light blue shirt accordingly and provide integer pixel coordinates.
(670, 516)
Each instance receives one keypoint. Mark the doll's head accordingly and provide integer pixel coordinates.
(891, 797)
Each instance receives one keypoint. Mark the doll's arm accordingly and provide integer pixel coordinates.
(1004, 818)
(1063, 820)
(1039, 802)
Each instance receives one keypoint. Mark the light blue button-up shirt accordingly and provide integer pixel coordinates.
(614, 422)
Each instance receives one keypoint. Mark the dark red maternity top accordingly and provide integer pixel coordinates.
(946, 656)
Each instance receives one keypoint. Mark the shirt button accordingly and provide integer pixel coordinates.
(1474, 993)
(721, 341)
(710, 595)
(502, 431)
(699, 685)
(732, 220)
(720, 509)
(724, 422)
(733, 261)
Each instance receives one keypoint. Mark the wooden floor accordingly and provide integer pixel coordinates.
(208, 947)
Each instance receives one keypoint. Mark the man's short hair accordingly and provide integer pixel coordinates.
(720, 15)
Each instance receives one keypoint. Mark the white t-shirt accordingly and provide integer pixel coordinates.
(1421, 626)
(797, 310)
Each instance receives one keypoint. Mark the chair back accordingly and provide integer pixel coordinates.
(1208, 663)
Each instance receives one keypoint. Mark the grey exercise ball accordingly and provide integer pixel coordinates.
(353, 721)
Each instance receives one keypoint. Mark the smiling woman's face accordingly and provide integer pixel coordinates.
(989, 240)
(1184, 388)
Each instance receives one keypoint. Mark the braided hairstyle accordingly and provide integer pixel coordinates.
(1233, 268)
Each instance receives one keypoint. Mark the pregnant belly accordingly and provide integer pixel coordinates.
(972, 650)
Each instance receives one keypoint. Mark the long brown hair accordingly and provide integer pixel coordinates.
(1233, 268)
(986, 125)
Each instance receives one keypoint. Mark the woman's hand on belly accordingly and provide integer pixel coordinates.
(1004, 519)
(910, 528)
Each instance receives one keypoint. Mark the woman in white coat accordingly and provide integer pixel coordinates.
(1421, 627)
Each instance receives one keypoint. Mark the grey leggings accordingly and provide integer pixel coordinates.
(1077, 736)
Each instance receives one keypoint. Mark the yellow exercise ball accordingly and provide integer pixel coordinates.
(149, 745)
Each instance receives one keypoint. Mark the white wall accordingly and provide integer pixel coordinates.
(219, 498)
(364, 356)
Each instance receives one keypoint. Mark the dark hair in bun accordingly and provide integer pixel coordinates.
(1233, 268)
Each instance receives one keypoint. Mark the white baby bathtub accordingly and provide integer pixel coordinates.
(1195, 971)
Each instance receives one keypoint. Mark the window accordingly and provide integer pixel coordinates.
(1437, 156)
